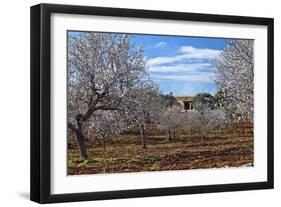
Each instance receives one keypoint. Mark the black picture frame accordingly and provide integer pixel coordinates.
(41, 97)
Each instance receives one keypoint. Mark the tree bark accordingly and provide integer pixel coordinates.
(79, 136)
(103, 139)
(169, 135)
(202, 136)
(103, 160)
(143, 136)
(174, 134)
(81, 144)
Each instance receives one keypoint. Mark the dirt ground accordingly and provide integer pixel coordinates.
(228, 148)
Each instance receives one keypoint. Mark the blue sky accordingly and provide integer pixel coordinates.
(181, 64)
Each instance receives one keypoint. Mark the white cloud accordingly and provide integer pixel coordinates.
(199, 53)
(188, 53)
(161, 44)
(191, 67)
(189, 64)
(165, 60)
(203, 78)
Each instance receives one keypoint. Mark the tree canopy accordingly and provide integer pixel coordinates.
(235, 78)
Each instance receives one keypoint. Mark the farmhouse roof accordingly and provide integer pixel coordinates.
(184, 98)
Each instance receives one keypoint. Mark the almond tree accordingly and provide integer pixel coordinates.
(102, 69)
(106, 124)
(141, 107)
(206, 120)
(235, 79)
(219, 117)
(206, 115)
(171, 119)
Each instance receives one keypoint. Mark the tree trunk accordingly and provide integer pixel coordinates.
(81, 144)
(174, 135)
(202, 136)
(103, 139)
(143, 136)
(103, 160)
(169, 135)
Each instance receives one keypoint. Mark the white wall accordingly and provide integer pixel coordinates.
(14, 109)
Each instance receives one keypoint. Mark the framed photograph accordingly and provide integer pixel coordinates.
(132, 103)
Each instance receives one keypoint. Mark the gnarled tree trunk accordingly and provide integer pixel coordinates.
(81, 143)
(77, 130)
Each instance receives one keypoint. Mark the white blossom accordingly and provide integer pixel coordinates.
(235, 76)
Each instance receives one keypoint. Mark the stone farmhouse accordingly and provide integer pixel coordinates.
(185, 102)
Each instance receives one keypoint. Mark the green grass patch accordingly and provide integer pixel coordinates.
(153, 158)
(247, 146)
(81, 162)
